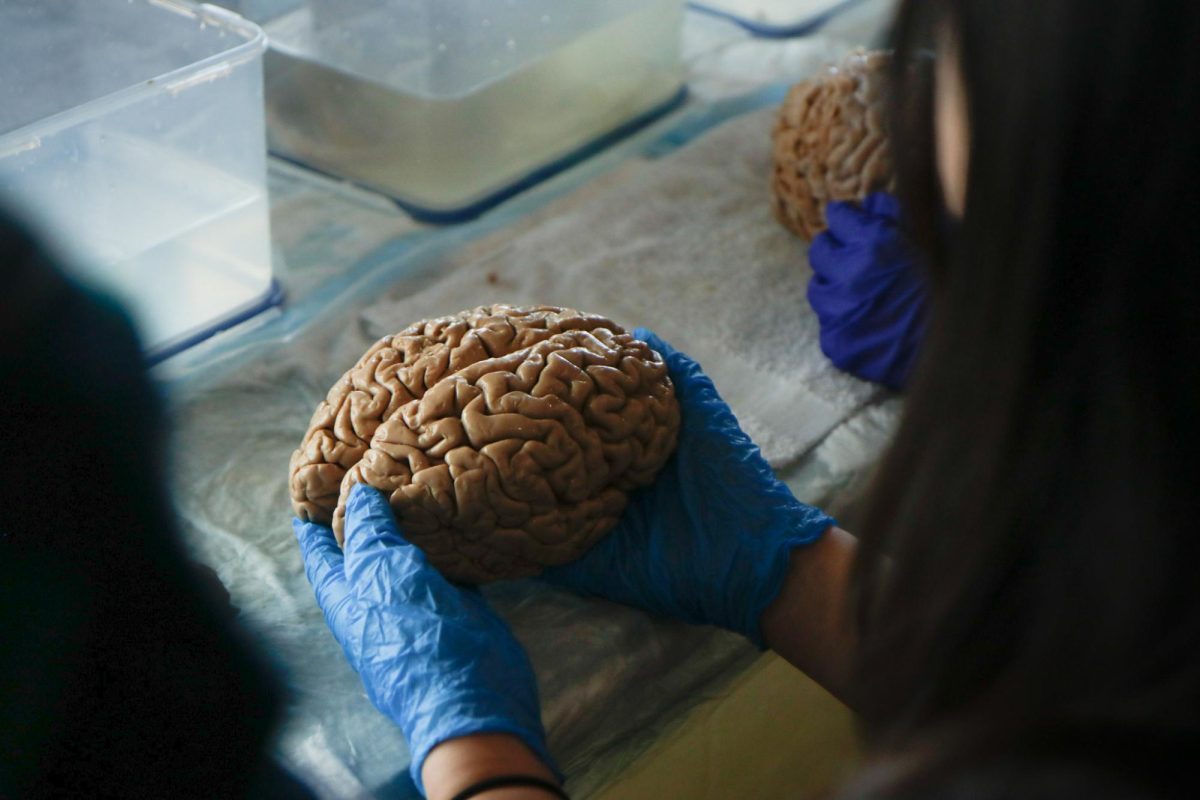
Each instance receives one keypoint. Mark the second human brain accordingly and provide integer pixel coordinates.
(506, 439)
(830, 143)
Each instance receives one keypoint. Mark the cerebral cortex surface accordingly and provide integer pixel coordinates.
(830, 143)
(506, 439)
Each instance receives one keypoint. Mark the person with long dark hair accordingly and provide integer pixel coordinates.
(1018, 616)
(1026, 582)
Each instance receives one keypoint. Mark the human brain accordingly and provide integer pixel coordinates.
(829, 142)
(506, 439)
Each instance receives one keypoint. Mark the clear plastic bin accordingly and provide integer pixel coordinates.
(132, 133)
(771, 19)
(450, 105)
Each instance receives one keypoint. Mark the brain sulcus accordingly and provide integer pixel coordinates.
(505, 438)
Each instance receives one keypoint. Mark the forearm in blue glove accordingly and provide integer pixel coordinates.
(709, 542)
(867, 291)
(432, 656)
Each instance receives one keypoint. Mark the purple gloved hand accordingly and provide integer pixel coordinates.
(867, 291)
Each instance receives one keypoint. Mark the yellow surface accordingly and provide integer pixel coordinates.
(773, 733)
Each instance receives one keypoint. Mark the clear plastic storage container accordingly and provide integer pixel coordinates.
(450, 105)
(131, 132)
(770, 19)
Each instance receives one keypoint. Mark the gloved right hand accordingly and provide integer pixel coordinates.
(709, 542)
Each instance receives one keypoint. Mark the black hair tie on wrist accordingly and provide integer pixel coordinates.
(509, 782)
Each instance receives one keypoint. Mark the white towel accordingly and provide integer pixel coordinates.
(686, 246)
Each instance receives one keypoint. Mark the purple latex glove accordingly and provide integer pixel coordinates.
(867, 291)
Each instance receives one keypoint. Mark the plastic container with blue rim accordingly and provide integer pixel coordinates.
(776, 19)
(450, 106)
(132, 134)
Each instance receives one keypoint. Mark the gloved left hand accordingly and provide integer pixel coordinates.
(867, 291)
(432, 656)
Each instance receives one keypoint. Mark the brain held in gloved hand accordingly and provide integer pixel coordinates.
(506, 439)
(830, 144)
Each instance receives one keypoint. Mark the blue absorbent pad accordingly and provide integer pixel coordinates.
(612, 679)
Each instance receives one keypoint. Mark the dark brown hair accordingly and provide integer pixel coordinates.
(1031, 561)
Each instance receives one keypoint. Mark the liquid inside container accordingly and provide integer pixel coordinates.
(441, 103)
(131, 134)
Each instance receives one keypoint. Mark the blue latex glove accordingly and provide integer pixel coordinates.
(709, 541)
(867, 292)
(432, 656)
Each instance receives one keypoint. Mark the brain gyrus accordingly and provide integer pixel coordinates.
(506, 439)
